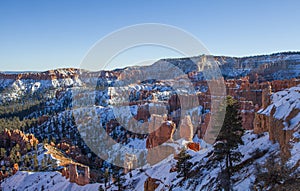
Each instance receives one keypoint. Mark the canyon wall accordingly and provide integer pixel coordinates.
(280, 119)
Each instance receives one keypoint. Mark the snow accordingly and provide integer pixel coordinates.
(27, 181)
(137, 143)
(283, 103)
(203, 144)
(205, 176)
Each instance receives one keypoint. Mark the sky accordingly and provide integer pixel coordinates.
(37, 35)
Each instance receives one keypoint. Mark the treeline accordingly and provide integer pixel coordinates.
(15, 123)
(23, 113)
(20, 110)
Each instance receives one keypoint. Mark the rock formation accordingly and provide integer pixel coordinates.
(186, 128)
(13, 137)
(280, 123)
(77, 173)
(160, 131)
(193, 146)
(151, 184)
(130, 162)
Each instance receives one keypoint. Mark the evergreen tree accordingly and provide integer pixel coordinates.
(2, 153)
(118, 175)
(26, 161)
(100, 188)
(228, 140)
(119, 178)
(183, 165)
(15, 156)
(43, 164)
(28, 147)
(275, 175)
(35, 163)
(35, 145)
(106, 177)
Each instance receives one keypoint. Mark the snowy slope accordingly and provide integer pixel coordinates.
(27, 181)
(205, 174)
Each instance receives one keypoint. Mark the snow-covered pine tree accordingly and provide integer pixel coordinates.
(228, 140)
(183, 165)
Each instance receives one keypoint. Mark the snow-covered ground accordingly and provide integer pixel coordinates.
(48, 181)
(205, 173)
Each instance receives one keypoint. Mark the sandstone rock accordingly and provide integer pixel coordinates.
(151, 184)
(78, 174)
(266, 96)
(276, 129)
(247, 112)
(15, 168)
(130, 162)
(73, 173)
(186, 128)
(193, 146)
(17, 137)
(143, 113)
(160, 131)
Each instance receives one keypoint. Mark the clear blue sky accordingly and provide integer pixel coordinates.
(41, 35)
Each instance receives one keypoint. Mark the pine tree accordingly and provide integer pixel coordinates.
(28, 147)
(106, 176)
(100, 188)
(26, 160)
(183, 165)
(228, 140)
(2, 153)
(15, 155)
(35, 162)
(43, 164)
(275, 175)
(118, 175)
(35, 145)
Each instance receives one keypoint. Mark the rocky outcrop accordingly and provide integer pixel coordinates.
(151, 184)
(78, 174)
(253, 96)
(186, 128)
(130, 162)
(277, 132)
(15, 168)
(143, 113)
(193, 146)
(47, 75)
(160, 131)
(247, 111)
(280, 119)
(8, 138)
(73, 151)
